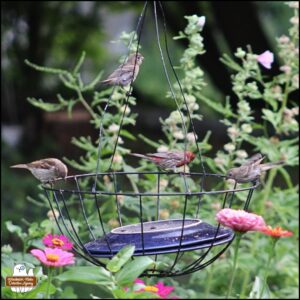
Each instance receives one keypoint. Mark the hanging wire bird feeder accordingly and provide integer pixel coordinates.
(84, 213)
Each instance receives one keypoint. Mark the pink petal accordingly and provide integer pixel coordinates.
(266, 59)
(163, 290)
(240, 220)
(64, 258)
(140, 281)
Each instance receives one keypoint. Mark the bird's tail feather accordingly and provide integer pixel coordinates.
(106, 81)
(21, 166)
(138, 155)
(268, 166)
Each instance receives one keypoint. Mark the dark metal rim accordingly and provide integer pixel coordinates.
(132, 194)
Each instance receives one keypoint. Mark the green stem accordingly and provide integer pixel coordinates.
(285, 96)
(85, 104)
(208, 281)
(267, 189)
(49, 282)
(266, 194)
(236, 250)
(267, 267)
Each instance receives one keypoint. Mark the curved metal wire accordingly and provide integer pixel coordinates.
(64, 199)
(138, 28)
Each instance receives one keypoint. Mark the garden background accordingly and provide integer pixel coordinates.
(55, 34)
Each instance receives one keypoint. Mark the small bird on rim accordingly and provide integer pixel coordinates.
(252, 169)
(46, 170)
(169, 159)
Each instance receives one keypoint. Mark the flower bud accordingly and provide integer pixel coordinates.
(284, 39)
(120, 199)
(117, 159)
(164, 214)
(229, 147)
(175, 204)
(113, 223)
(233, 132)
(191, 137)
(240, 53)
(294, 20)
(293, 4)
(113, 128)
(52, 214)
(241, 154)
(127, 112)
(178, 135)
(247, 128)
(286, 69)
(162, 148)
(163, 183)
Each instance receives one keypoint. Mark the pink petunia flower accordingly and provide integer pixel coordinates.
(53, 257)
(240, 220)
(57, 241)
(266, 59)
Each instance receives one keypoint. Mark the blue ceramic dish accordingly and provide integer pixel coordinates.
(159, 237)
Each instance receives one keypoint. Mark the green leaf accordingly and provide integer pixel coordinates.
(148, 141)
(40, 291)
(15, 229)
(79, 63)
(260, 289)
(68, 293)
(120, 259)
(133, 270)
(87, 274)
(133, 177)
(50, 107)
(45, 69)
(217, 106)
(6, 271)
(127, 134)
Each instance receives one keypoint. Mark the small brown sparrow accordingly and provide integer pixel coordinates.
(251, 169)
(46, 170)
(127, 72)
(169, 159)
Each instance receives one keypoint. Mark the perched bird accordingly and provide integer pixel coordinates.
(127, 72)
(251, 169)
(169, 159)
(45, 170)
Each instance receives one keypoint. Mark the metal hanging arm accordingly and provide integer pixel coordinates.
(141, 18)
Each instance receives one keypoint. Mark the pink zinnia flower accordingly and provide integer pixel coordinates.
(159, 289)
(53, 257)
(266, 59)
(57, 241)
(240, 220)
(163, 290)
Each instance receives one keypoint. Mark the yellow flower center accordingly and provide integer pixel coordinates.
(57, 242)
(150, 288)
(52, 257)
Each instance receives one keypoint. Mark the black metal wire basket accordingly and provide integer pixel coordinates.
(150, 235)
(88, 203)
